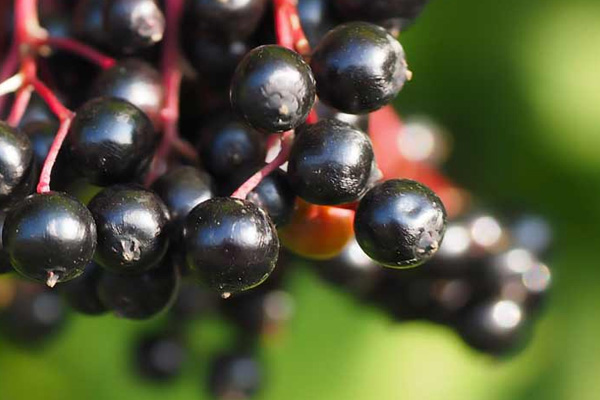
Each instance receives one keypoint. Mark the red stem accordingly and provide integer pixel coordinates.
(44, 182)
(299, 38)
(288, 28)
(81, 49)
(19, 106)
(283, 30)
(287, 138)
(51, 100)
(171, 82)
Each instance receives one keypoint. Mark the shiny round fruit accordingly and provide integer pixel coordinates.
(273, 89)
(400, 223)
(132, 25)
(132, 229)
(135, 81)
(111, 140)
(49, 237)
(358, 67)
(140, 296)
(231, 244)
(16, 164)
(330, 163)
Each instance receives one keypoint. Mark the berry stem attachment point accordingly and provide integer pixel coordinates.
(52, 279)
(287, 138)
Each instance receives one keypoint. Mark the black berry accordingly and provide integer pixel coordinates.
(111, 140)
(400, 223)
(16, 164)
(231, 244)
(132, 229)
(358, 67)
(132, 25)
(49, 237)
(273, 89)
(330, 162)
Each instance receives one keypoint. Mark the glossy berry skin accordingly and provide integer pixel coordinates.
(16, 164)
(181, 189)
(232, 19)
(140, 296)
(275, 195)
(400, 223)
(111, 140)
(135, 81)
(81, 293)
(132, 229)
(359, 67)
(227, 146)
(231, 244)
(330, 162)
(497, 326)
(235, 376)
(132, 25)
(273, 89)
(380, 10)
(159, 358)
(47, 234)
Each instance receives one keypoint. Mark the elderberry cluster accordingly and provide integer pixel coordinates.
(202, 165)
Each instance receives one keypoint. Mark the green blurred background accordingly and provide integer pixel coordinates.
(518, 85)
